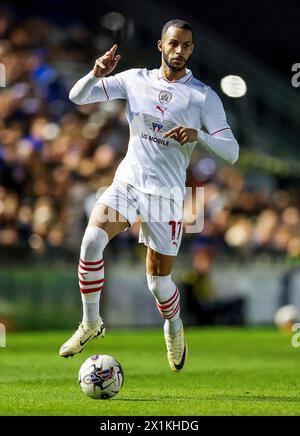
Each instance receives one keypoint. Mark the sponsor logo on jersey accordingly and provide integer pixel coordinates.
(154, 139)
(154, 124)
(157, 127)
(165, 97)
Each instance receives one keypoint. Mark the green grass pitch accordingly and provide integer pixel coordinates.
(228, 372)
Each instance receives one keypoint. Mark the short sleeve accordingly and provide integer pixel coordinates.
(114, 86)
(213, 115)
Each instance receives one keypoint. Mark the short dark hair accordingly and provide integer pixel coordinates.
(179, 24)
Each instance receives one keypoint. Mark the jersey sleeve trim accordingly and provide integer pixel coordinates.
(218, 131)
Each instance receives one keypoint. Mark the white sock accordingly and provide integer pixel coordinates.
(167, 297)
(90, 308)
(91, 272)
(171, 327)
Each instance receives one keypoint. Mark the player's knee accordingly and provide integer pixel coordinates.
(93, 243)
(159, 285)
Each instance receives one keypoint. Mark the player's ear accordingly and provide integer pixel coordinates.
(159, 45)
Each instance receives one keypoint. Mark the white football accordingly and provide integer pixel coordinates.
(101, 377)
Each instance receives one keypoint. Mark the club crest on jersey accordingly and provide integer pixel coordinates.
(157, 127)
(165, 97)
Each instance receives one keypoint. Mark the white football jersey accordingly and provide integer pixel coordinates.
(154, 105)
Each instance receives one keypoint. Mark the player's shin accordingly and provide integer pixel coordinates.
(91, 272)
(167, 297)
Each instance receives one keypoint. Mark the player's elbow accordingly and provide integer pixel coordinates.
(234, 154)
(74, 97)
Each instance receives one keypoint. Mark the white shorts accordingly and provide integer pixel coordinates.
(161, 219)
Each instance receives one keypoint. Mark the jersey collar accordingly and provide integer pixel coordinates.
(183, 79)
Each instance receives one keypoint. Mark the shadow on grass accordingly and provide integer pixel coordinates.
(246, 397)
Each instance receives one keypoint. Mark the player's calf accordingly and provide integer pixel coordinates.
(167, 297)
(91, 272)
(91, 282)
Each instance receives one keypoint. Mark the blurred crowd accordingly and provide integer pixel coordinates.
(54, 155)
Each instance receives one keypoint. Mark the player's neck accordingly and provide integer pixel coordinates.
(168, 74)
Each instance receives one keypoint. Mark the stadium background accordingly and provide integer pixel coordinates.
(54, 156)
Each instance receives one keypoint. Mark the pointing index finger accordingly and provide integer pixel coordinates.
(112, 51)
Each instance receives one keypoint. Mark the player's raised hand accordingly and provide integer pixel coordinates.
(182, 134)
(106, 63)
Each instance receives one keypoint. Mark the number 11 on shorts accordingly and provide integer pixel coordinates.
(174, 225)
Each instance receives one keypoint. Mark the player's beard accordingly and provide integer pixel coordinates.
(172, 67)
